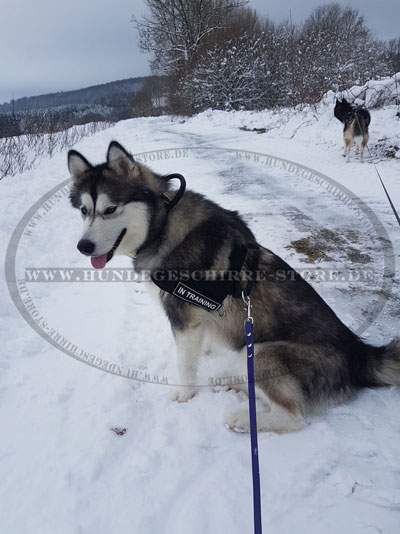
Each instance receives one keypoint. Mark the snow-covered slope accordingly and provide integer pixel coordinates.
(177, 468)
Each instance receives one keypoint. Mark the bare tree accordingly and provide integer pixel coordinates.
(336, 49)
(174, 30)
(392, 54)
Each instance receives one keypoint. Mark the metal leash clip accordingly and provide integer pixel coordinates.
(247, 305)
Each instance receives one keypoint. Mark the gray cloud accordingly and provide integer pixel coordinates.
(54, 45)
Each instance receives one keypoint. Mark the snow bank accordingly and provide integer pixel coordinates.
(375, 93)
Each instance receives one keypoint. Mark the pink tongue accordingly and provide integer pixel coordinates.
(99, 262)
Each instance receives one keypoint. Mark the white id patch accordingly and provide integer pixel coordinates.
(194, 297)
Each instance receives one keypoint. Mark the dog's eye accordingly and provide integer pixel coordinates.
(110, 210)
(84, 210)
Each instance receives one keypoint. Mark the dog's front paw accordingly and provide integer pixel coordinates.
(182, 394)
(238, 421)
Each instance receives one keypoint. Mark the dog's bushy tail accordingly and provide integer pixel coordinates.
(387, 364)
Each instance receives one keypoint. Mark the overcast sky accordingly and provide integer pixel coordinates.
(55, 45)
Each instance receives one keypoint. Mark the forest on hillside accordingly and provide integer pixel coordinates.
(221, 54)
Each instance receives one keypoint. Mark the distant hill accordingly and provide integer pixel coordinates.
(106, 94)
(52, 112)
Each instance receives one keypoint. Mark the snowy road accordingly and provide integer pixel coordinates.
(177, 469)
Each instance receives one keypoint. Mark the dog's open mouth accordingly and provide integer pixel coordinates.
(99, 262)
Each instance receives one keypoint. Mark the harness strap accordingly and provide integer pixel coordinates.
(170, 203)
(252, 255)
(202, 292)
(206, 291)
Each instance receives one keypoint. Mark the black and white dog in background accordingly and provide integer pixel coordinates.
(355, 120)
(305, 357)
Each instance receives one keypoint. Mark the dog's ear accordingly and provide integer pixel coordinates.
(77, 164)
(121, 162)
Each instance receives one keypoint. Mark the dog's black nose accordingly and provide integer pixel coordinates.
(86, 247)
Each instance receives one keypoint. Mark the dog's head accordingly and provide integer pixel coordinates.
(342, 108)
(117, 200)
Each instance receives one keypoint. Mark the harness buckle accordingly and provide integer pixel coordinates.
(166, 199)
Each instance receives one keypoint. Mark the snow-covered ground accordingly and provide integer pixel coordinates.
(177, 469)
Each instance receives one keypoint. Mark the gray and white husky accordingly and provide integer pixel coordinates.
(305, 357)
(355, 120)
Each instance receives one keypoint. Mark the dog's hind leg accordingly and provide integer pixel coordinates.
(280, 416)
(348, 136)
(280, 402)
(347, 144)
(359, 147)
(363, 144)
(188, 348)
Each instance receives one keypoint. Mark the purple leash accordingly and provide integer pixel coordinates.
(253, 418)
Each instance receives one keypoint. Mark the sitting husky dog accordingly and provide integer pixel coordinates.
(356, 121)
(305, 357)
